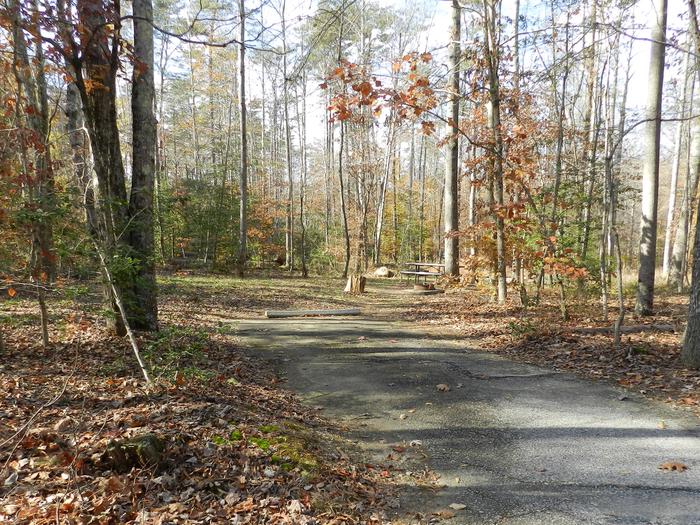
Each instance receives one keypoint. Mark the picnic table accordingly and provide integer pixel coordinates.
(423, 269)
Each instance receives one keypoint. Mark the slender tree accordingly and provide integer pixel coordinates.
(451, 208)
(144, 166)
(690, 354)
(243, 114)
(650, 169)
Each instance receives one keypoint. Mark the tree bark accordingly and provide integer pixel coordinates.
(343, 205)
(650, 170)
(31, 81)
(143, 312)
(80, 148)
(676, 273)
(451, 207)
(497, 147)
(675, 167)
(289, 229)
(690, 355)
(243, 180)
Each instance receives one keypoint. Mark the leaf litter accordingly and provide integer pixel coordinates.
(237, 447)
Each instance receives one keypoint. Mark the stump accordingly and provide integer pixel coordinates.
(356, 284)
(144, 451)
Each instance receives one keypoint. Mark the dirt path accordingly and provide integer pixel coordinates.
(514, 443)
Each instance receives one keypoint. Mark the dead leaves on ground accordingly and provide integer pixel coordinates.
(673, 466)
(237, 447)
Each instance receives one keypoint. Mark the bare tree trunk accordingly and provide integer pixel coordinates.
(497, 138)
(650, 170)
(80, 148)
(328, 157)
(395, 213)
(690, 355)
(193, 114)
(407, 239)
(382, 193)
(451, 208)
(160, 152)
(675, 168)
(421, 207)
(289, 230)
(680, 243)
(145, 310)
(588, 122)
(243, 181)
(343, 206)
(31, 82)
(301, 124)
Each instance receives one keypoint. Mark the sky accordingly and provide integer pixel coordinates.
(435, 37)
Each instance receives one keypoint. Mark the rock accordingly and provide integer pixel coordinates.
(144, 451)
(383, 271)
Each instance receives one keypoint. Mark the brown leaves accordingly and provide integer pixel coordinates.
(673, 466)
(215, 469)
(427, 127)
(364, 88)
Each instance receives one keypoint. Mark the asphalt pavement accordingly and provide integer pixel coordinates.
(509, 442)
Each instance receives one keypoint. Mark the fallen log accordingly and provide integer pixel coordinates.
(626, 329)
(275, 314)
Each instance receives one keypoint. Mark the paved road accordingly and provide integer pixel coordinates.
(516, 444)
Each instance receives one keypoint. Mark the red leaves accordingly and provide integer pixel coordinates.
(364, 88)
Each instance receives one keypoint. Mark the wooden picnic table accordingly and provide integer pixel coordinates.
(417, 272)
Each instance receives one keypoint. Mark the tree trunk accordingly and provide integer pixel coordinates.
(675, 167)
(80, 148)
(243, 181)
(650, 170)
(498, 149)
(690, 355)
(382, 193)
(289, 230)
(301, 124)
(355, 285)
(31, 81)
(343, 206)
(144, 312)
(451, 208)
(680, 243)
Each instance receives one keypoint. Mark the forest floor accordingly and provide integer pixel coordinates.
(238, 443)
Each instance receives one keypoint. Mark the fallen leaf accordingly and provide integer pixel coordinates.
(442, 387)
(674, 466)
